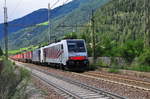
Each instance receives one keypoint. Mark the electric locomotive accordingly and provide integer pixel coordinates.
(70, 53)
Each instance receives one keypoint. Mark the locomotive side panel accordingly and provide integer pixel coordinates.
(54, 53)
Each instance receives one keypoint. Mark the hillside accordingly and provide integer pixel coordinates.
(37, 34)
(38, 16)
(121, 21)
(121, 29)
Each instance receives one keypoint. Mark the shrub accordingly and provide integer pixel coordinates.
(113, 70)
(72, 35)
(140, 68)
(102, 64)
(14, 63)
(144, 59)
(10, 79)
(131, 49)
(92, 67)
(1, 52)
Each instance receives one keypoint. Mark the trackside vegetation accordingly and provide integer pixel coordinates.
(13, 81)
(121, 30)
(1, 52)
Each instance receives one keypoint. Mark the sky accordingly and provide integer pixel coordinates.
(20, 8)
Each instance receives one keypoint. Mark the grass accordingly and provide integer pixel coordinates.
(140, 68)
(43, 24)
(13, 82)
(92, 67)
(113, 70)
(13, 52)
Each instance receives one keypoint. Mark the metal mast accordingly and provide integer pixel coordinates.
(49, 23)
(93, 37)
(6, 30)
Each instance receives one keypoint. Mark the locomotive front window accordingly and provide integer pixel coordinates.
(76, 46)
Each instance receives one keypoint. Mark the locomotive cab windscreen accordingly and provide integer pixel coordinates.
(76, 46)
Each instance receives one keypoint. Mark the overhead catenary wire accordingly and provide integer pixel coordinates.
(17, 5)
(66, 2)
(14, 25)
(55, 4)
(49, 20)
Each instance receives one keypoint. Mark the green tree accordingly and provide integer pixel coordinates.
(1, 52)
(144, 58)
(131, 49)
(72, 35)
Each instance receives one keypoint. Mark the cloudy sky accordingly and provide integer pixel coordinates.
(19, 8)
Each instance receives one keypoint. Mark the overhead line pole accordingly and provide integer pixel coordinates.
(49, 21)
(6, 30)
(93, 37)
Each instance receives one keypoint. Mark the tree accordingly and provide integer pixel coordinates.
(72, 35)
(147, 23)
(1, 52)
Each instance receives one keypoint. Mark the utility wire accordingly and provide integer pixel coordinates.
(65, 2)
(55, 3)
(50, 26)
(18, 4)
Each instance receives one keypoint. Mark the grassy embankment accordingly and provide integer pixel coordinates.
(13, 81)
(13, 52)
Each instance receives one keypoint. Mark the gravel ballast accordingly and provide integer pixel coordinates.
(129, 92)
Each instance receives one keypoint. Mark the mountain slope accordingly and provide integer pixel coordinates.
(38, 16)
(121, 22)
(37, 34)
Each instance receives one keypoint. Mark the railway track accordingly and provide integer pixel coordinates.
(70, 88)
(121, 79)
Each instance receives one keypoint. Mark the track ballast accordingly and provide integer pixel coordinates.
(71, 88)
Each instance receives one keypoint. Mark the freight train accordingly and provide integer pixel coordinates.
(70, 53)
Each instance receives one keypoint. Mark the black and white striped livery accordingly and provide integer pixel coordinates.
(70, 53)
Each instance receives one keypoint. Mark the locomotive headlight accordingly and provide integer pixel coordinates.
(78, 58)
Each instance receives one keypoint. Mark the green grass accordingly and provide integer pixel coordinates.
(43, 24)
(140, 68)
(113, 70)
(13, 52)
(13, 82)
(92, 67)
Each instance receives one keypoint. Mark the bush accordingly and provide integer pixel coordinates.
(144, 59)
(131, 49)
(140, 68)
(102, 64)
(107, 48)
(10, 79)
(72, 35)
(92, 67)
(1, 52)
(113, 70)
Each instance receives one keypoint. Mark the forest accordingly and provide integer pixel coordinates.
(121, 29)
